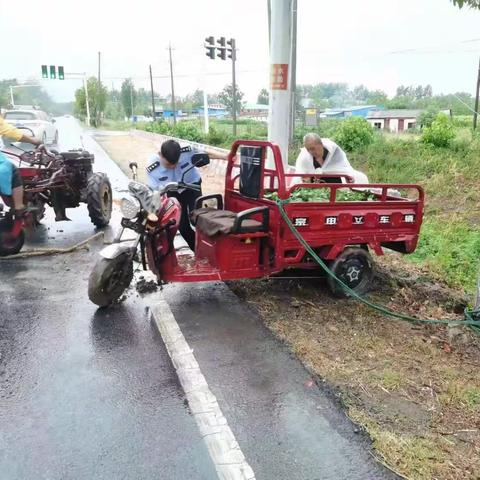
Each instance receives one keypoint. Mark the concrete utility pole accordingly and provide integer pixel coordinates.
(293, 76)
(153, 96)
(475, 115)
(131, 97)
(171, 81)
(86, 99)
(83, 76)
(279, 113)
(99, 69)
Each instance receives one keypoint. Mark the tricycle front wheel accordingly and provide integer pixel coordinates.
(109, 279)
(354, 267)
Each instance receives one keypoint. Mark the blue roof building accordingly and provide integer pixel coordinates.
(360, 111)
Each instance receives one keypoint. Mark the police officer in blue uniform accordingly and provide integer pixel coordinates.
(168, 165)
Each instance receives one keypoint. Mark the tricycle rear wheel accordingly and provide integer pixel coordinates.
(354, 267)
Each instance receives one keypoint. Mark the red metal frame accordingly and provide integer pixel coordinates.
(253, 255)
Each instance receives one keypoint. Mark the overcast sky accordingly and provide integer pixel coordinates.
(378, 43)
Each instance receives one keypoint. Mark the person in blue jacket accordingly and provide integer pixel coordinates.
(167, 166)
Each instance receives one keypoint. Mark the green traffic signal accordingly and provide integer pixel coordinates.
(61, 75)
(44, 71)
(53, 72)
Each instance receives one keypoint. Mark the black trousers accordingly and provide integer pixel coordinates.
(187, 201)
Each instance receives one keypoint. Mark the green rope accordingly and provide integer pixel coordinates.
(472, 317)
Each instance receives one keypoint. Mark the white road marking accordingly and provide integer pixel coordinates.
(224, 450)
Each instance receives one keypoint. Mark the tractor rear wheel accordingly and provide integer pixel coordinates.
(354, 267)
(99, 199)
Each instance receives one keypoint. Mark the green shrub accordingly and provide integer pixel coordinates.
(188, 131)
(441, 133)
(426, 118)
(354, 133)
(218, 137)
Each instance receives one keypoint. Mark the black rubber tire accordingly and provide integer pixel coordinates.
(10, 246)
(354, 266)
(109, 279)
(99, 199)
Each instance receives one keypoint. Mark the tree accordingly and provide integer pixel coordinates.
(263, 97)
(354, 133)
(469, 3)
(226, 97)
(128, 97)
(97, 99)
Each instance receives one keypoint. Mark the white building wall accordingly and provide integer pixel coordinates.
(373, 121)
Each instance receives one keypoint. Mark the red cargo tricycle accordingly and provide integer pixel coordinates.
(241, 234)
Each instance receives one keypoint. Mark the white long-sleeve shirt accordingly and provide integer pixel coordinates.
(335, 162)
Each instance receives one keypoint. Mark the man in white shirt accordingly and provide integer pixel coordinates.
(322, 155)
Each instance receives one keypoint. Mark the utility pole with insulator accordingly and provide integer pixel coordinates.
(279, 112)
(173, 90)
(475, 115)
(153, 96)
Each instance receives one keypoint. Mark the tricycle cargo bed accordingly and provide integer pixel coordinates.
(383, 219)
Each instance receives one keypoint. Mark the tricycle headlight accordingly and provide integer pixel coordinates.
(130, 207)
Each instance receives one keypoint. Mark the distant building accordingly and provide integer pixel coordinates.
(256, 110)
(214, 110)
(359, 111)
(396, 121)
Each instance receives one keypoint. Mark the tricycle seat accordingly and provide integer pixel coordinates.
(212, 221)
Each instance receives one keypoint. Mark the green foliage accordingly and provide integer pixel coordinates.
(97, 99)
(128, 97)
(470, 3)
(451, 248)
(217, 137)
(427, 118)
(316, 194)
(354, 133)
(226, 97)
(440, 133)
(263, 97)
(188, 131)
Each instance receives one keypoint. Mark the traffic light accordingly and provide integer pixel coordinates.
(61, 75)
(44, 71)
(210, 46)
(231, 50)
(222, 49)
(53, 72)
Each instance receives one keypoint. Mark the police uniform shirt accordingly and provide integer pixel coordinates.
(158, 175)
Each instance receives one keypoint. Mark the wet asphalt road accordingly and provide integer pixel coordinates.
(90, 394)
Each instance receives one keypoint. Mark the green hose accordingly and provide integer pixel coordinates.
(472, 317)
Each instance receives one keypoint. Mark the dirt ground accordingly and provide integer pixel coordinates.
(415, 388)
